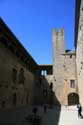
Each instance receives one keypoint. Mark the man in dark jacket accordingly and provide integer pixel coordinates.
(79, 110)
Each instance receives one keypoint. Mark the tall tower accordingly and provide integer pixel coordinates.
(58, 43)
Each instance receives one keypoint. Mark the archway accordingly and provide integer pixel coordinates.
(73, 99)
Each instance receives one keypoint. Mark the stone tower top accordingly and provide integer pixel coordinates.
(58, 43)
(58, 40)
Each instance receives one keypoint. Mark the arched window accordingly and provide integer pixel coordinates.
(21, 76)
(14, 75)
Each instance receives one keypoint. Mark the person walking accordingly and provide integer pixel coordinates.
(79, 111)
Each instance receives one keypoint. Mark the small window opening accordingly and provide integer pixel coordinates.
(11, 48)
(45, 93)
(70, 56)
(3, 104)
(14, 75)
(21, 76)
(17, 54)
(14, 99)
(44, 72)
(72, 83)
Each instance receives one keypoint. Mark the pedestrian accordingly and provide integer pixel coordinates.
(45, 108)
(35, 109)
(79, 110)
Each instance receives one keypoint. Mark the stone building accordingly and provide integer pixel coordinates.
(79, 46)
(20, 80)
(17, 70)
(24, 82)
(64, 68)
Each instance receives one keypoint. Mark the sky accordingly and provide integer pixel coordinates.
(32, 22)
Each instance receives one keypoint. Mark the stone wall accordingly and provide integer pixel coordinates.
(64, 68)
(79, 53)
(16, 82)
(43, 92)
(69, 70)
(21, 82)
(69, 75)
(58, 60)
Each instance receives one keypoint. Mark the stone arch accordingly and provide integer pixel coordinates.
(73, 99)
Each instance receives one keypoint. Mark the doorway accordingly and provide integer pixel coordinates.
(73, 99)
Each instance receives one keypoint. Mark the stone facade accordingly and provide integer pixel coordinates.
(64, 76)
(64, 68)
(16, 82)
(20, 80)
(24, 82)
(79, 46)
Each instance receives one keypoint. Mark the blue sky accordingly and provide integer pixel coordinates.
(32, 22)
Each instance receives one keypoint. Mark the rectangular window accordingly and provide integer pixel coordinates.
(43, 72)
(14, 75)
(21, 76)
(72, 83)
(70, 56)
